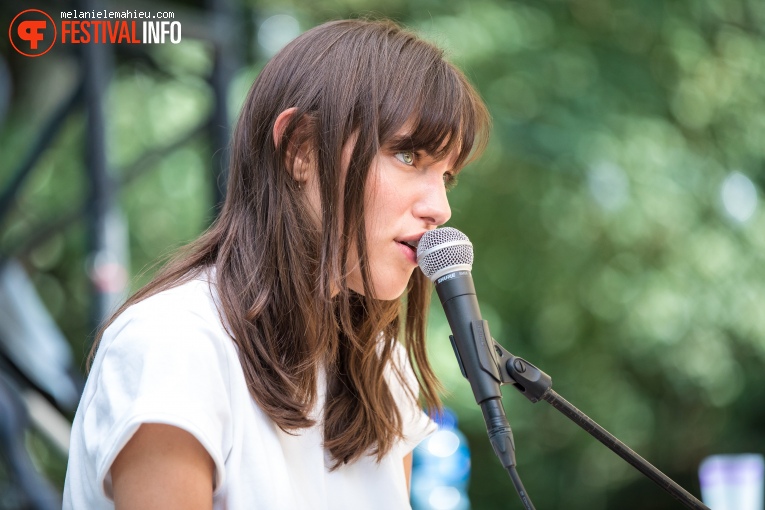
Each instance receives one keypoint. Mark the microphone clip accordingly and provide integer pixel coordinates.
(503, 366)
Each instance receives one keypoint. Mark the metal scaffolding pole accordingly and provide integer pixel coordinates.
(106, 229)
(225, 29)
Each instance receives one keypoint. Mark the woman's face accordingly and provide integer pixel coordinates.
(405, 197)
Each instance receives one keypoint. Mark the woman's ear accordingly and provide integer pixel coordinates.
(298, 159)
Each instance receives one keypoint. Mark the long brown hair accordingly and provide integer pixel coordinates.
(279, 276)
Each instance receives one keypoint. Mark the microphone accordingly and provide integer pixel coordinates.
(445, 255)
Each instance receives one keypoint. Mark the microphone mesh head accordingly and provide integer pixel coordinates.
(442, 249)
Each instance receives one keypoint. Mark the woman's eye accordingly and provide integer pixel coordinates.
(406, 157)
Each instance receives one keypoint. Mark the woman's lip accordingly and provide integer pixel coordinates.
(408, 252)
(411, 241)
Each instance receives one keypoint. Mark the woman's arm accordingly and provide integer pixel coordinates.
(163, 467)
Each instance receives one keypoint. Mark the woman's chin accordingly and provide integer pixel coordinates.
(390, 291)
(385, 292)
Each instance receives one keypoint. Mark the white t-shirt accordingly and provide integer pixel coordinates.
(168, 359)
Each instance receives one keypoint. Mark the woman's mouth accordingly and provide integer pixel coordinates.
(409, 248)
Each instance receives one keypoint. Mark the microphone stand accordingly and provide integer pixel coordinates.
(536, 385)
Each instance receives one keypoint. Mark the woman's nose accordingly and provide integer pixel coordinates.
(433, 205)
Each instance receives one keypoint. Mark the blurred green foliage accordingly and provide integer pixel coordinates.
(618, 236)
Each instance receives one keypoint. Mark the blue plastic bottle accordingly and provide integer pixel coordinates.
(441, 468)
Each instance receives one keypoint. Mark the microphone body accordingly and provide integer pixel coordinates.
(445, 255)
(471, 339)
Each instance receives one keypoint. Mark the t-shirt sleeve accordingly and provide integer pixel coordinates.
(417, 425)
(159, 362)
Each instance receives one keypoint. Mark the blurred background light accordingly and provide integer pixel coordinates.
(739, 196)
(276, 32)
(443, 443)
(733, 482)
(445, 498)
(441, 468)
(608, 185)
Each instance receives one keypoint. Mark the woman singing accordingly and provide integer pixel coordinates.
(269, 365)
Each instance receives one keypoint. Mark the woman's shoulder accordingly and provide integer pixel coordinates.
(185, 318)
(192, 300)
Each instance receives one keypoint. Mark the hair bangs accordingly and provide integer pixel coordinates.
(444, 118)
